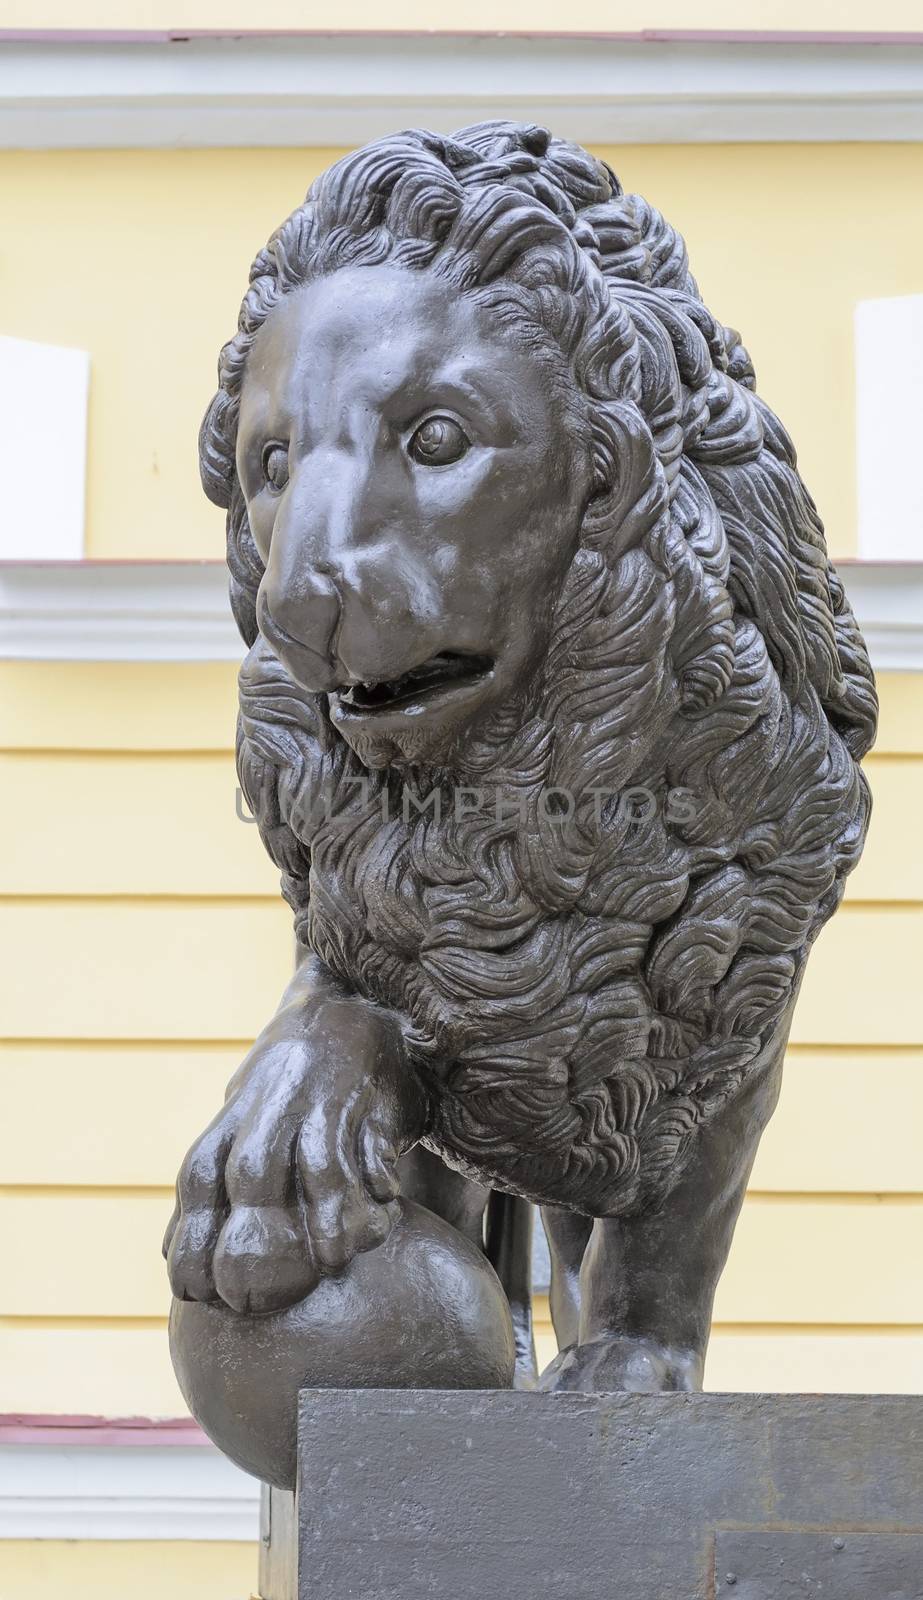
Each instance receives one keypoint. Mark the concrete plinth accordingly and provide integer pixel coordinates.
(464, 1496)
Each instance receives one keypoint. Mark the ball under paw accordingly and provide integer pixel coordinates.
(423, 1311)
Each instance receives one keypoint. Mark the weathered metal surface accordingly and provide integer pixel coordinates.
(412, 1495)
(551, 719)
(824, 1565)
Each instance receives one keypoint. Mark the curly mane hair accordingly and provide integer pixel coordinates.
(584, 992)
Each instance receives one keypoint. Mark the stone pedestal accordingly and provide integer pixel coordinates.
(406, 1495)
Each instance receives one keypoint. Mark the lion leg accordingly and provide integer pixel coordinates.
(295, 1174)
(568, 1234)
(647, 1282)
(498, 1224)
(458, 1200)
(509, 1225)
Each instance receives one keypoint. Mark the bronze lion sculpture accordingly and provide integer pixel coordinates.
(551, 720)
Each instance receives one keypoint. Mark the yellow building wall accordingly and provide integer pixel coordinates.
(490, 16)
(141, 257)
(51, 1569)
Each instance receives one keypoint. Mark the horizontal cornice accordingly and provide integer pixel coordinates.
(178, 611)
(887, 598)
(341, 89)
(116, 611)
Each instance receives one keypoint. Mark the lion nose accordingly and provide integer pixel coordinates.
(300, 620)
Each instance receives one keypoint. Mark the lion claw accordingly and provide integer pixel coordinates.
(622, 1364)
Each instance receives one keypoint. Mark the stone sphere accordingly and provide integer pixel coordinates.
(425, 1310)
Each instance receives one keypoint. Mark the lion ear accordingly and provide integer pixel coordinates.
(244, 564)
(695, 550)
(630, 488)
(217, 437)
(703, 640)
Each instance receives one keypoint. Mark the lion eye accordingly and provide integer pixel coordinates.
(438, 441)
(275, 466)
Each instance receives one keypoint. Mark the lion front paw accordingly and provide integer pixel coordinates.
(622, 1363)
(295, 1175)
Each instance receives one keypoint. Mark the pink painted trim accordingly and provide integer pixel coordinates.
(26, 1429)
(644, 35)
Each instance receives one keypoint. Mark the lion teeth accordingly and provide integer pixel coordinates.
(445, 668)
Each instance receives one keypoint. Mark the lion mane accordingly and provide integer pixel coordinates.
(586, 991)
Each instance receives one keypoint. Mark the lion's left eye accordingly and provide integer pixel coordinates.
(438, 441)
(275, 466)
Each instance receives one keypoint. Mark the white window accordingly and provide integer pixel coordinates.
(43, 447)
(889, 428)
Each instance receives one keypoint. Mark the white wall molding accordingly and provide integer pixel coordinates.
(146, 1491)
(343, 89)
(887, 598)
(117, 611)
(178, 611)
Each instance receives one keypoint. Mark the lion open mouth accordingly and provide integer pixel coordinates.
(443, 673)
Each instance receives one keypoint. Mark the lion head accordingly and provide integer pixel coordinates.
(505, 515)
